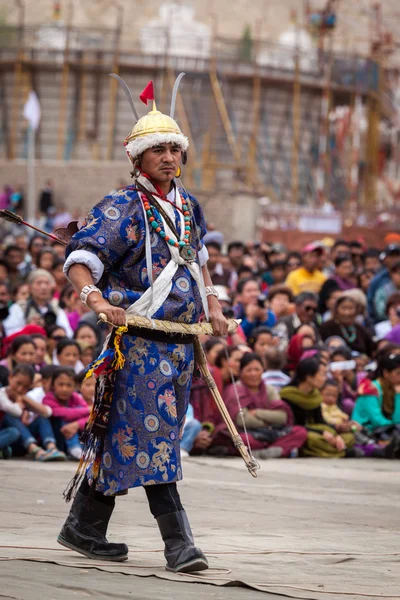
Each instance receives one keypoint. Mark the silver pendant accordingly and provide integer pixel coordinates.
(187, 253)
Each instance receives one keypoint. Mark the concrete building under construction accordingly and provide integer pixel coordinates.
(292, 121)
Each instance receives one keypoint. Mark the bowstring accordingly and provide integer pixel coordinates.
(239, 406)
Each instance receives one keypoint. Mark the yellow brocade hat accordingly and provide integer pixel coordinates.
(153, 129)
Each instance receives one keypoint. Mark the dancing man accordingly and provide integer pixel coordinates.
(140, 252)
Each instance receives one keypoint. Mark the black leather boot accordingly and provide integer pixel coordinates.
(181, 553)
(85, 530)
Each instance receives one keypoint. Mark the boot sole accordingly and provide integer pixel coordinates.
(66, 544)
(198, 564)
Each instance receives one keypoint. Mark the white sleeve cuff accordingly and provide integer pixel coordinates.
(203, 256)
(90, 260)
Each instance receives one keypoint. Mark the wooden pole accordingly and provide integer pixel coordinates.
(63, 110)
(18, 81)
(296, 128)
(113, 95)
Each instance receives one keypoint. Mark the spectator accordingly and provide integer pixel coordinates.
(298, 344)
(357, 255)
(251, 308)
(344, 325)
(14, 257)
(390, 256)
(17, 200)
(212, 348)
(22, 351)
(40, 343)
(219, 274)
(280, 301)
(275, 361)
(334, 416)
(21, 292)
(343, 371)
(5, 197)
(386, 290)
(393, 316)
(86, 387)
(228, 364)
(261, 339)
(40, 307)
(20, 381)
(54, 335)
(306, 309)
(68, 354)
(304, 397)
(378, 401)
(268, 420)
(307, 278)
(278, 272)
(364, 279)
(293, 261)
(69, 410)
(46, 258)
(372, 261)
(236, 254)
(35, 246)
(191, 430)
(46, 199)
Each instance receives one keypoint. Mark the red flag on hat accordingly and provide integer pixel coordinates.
(148, 93)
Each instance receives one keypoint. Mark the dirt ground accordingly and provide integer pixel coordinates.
(305, 528)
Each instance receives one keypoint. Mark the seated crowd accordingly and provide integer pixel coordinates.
(313, 369)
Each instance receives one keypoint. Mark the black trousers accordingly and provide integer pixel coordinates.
(163, 498)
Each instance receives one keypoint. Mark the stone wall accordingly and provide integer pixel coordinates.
(80, 185)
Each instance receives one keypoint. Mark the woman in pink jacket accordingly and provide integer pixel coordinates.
(69, 410)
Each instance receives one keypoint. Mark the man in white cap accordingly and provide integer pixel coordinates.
(141, 253)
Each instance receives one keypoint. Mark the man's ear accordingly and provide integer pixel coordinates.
(184, 157)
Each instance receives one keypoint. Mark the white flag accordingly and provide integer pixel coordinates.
(32, 110)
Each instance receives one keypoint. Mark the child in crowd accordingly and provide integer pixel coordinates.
(334, 416)
(261, 340)
(22, 351)
(38, 392)
(69, 410)
(68, 354)
(20, 381)
(86, 387)
(275, 361)
(40, 343)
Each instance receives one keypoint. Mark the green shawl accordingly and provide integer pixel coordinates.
(304, 401)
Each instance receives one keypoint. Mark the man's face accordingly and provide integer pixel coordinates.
(214, 256)
(391, 259)
(15, 258)
(307, 311)
(236, 255)
(161, 162)
(372, 263)
(340, 250)
(311, 260)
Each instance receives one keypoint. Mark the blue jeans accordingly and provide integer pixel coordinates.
(40, 427)
(73, 442)
(191, 430)
(8, 436)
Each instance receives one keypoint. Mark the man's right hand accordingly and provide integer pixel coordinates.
(114, 314)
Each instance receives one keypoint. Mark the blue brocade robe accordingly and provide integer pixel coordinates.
(151, 392)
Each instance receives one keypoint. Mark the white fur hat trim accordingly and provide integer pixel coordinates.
(137, 146)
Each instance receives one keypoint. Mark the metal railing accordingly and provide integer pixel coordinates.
(237, 56)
